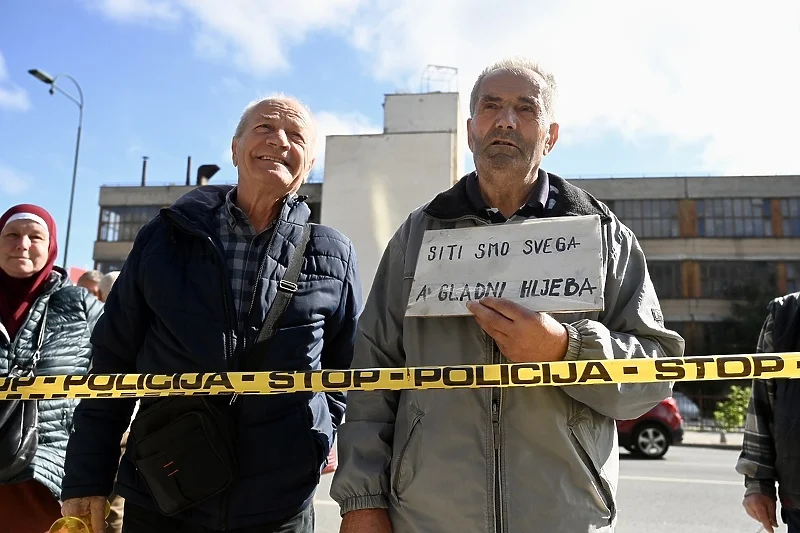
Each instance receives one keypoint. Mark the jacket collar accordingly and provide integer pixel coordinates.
(454, 203)
(534, 206)
(199, 208)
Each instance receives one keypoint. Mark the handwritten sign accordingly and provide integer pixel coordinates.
(551, 265)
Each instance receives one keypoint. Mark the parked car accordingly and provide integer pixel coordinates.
(689, 409)
(652, 434)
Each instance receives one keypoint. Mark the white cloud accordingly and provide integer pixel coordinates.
(11, 96)
(257, 35)
(12, 182)
(140, 10)
(331, 123)
(719, 74)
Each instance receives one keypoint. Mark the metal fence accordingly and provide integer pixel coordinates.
(697, 410)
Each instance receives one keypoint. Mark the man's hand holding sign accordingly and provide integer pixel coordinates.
(523, 336)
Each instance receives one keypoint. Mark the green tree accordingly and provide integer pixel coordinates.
(731, 413)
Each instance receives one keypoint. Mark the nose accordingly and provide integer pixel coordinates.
(23, 243)
(278, 139)
(506, 119)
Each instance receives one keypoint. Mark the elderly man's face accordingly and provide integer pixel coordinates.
(509, 129)
(275, 147)
(24, 246)
(92, 286)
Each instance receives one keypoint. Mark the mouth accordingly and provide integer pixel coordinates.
(501, 142)
(273, 159)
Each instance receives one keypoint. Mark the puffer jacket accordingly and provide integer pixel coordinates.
(71, 315)
(172, 311)
(539, 459)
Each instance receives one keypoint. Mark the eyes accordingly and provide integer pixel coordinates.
(293, 134)
(13, 235)
(522, 108)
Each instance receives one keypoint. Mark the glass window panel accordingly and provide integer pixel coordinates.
(748, 209)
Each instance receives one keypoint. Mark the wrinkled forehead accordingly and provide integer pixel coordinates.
(24, 227)
(506, 84)
(283, 110)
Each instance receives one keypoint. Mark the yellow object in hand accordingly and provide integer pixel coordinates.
(76, 524)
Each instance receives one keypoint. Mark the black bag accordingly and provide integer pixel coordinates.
(19, 421)
(184, 446)
(184, 450)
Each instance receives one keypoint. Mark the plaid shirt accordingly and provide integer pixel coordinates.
(243, 249)
(757, 459)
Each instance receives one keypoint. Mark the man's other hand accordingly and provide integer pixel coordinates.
(93, 507)
(366, 521)
(762, 509)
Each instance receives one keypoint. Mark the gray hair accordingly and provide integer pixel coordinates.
(520, 67)
(90, 276)
(106, 282)
(274, 97)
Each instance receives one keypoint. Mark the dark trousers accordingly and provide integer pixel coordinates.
(141, 520)
(792, 518)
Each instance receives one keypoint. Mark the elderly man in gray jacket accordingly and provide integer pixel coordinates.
(538, 459)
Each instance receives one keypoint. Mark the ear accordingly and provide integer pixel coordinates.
(552, 138)
(234, 146)
(469, 137)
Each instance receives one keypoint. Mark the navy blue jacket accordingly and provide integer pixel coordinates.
(171, 311)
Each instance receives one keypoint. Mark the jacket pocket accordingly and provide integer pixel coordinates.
(401, 470)
(586, 450)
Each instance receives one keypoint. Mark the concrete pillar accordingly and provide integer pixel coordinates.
(372, 182)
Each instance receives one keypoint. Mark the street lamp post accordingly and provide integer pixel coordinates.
(51, 81)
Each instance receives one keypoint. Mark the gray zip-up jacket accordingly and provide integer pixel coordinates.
(539, 459)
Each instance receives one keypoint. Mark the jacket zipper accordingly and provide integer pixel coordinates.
(228, 350)
(258, 276)
(497, 406)
(226, 296)
(15, 341)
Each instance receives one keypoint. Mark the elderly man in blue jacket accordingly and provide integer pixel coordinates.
(196, 295)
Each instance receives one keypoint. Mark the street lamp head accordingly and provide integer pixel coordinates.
(41, 76)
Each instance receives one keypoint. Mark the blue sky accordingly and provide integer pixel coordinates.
(708, 87)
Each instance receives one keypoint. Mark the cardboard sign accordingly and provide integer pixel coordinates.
(551, 265)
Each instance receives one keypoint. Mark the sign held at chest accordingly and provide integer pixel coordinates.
(553, 265)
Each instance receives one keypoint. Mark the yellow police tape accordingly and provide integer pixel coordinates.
(779, 365)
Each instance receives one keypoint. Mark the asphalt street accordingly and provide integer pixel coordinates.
(690, 490)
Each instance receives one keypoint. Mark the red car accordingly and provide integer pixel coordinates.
(652, 434)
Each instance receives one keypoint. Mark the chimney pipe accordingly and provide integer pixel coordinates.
(144, 170)
(188, 171)
(205, 172)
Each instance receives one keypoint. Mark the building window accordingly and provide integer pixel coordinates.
(121, 224)
(666, 278)
(108, 266)
(734, 217)
(732, 280)
(790, 212)
(649, 218)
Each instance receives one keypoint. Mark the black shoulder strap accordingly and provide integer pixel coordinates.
(286, 289)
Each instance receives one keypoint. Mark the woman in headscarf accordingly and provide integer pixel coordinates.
(40, 310)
